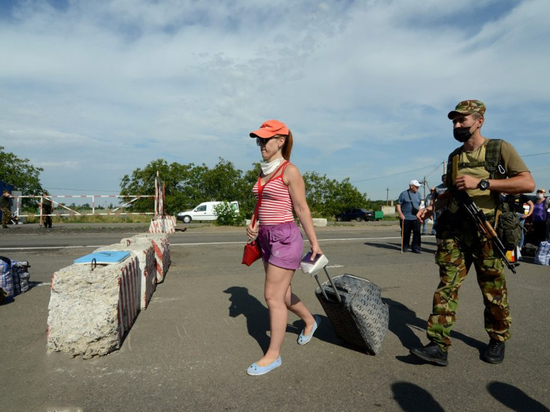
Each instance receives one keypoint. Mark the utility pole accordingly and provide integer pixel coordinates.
(424, 182)
(387, 196)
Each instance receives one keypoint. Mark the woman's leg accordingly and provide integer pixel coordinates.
(277, 286)
(295, 305)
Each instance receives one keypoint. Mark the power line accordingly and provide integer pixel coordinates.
(436, 166)
(400, 173)
(535, 154)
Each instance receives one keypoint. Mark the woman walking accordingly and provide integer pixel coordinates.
(281, 190)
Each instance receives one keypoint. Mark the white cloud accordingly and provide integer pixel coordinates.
(110, 86)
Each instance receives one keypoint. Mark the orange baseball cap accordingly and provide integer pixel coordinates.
(270, 128)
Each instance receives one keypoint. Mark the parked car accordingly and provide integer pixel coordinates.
(355, 214)
(204, 211)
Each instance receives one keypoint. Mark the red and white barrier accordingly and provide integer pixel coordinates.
(129, 297)
(161, 245)
(147, 267)
(163, 224)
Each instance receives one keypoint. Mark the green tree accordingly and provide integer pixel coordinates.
(327, 197)
(185, 185)
(188, 185)
(21, 174)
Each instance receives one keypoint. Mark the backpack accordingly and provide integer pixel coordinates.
(508, 224)
(508, 227)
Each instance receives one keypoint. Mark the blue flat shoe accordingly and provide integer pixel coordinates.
(303, 339)
(255, 370)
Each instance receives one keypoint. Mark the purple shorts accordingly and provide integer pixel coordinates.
(282, 245)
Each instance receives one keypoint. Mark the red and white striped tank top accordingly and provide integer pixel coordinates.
(276, 206)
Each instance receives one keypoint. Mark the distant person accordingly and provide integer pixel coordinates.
(5, 206)
(281, 189)
(538, 231)
(462, 243)
(47, 209)
(517, 203)
(408, 205)
(427, 202)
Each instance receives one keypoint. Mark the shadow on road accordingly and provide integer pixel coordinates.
(402, 319)
(514, 398)
(413, 398)
(397, 246)
(256, 314)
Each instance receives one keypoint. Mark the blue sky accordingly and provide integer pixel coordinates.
(90, 90)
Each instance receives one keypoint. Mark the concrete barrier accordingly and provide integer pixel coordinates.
(161, 245)
(91, 310)
(147, 267)
(318, 222)
(163, 224)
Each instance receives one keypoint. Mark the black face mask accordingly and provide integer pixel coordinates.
(462, 134)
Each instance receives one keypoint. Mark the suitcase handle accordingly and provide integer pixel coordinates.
(331, 284)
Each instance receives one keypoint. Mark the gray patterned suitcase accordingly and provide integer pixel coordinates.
(355, 308)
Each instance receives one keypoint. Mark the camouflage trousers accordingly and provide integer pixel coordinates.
(6, 215)
(455, 256)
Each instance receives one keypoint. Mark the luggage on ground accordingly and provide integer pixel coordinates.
(529, 250)
(543, 254)
(6, 281)
(15, 277)
(21, 276)
(355, 308)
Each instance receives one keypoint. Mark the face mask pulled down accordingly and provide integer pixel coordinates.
(269, 167)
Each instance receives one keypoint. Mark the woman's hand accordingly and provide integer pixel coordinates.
(315, 250)
(252, 231)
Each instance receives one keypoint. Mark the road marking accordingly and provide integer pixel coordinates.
(50, 247)
(350, 239)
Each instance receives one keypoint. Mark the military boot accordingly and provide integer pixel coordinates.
(431, 353)
(495, 352)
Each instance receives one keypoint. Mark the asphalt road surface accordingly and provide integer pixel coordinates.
(208, 322)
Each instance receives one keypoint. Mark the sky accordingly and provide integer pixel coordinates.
(92, 90)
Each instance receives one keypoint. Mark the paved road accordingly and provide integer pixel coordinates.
(207, 322)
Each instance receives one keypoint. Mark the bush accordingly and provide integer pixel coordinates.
(227, 215)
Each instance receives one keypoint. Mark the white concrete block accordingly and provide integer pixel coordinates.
(161, 245)
(90, 311)
(147, 267)
(318, 222)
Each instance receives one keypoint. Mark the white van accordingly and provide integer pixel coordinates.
(204, 211)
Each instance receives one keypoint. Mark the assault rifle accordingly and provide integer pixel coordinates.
(468, 205)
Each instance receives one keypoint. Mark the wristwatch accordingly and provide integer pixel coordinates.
(484, 184)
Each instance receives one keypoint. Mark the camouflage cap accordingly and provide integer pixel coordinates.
(468, 107)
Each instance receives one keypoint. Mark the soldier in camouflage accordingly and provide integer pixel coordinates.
(5, 206)
(461, 244)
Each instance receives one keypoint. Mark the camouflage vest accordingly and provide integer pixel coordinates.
(492, 163)
(507, 225)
